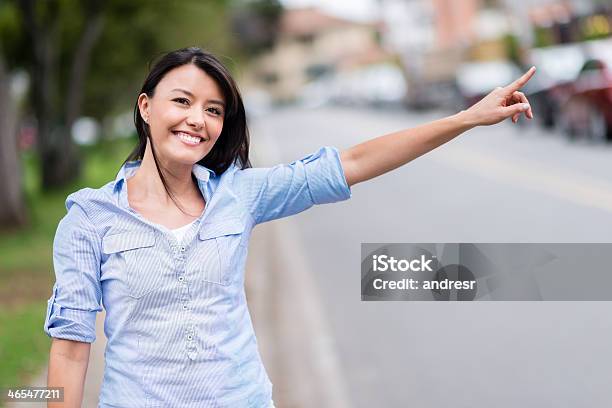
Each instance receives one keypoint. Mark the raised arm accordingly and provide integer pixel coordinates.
(385, 153)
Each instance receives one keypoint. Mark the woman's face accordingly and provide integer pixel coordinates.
(185, 115)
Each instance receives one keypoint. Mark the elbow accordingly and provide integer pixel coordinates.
(349, 167)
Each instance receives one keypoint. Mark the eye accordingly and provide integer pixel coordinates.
(181, 100)
(215, 111)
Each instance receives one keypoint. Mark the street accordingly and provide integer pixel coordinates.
(505, 183)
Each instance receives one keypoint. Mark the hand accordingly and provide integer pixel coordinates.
(502, 103)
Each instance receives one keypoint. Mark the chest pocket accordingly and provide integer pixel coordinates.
(220, 250)
(136, 254)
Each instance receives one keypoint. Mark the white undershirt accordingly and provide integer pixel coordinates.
(179, 233)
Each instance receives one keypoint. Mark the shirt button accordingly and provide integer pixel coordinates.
(185, 307)
(181, 278)
(182, 249)
(190, 337)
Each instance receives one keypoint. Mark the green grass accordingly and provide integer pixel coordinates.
(22, 355)
(26, 260)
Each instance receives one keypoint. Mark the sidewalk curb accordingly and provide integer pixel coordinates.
(293, 335)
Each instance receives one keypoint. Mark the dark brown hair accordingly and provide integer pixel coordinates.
(233, 142)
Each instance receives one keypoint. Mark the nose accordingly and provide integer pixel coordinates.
(196, 118)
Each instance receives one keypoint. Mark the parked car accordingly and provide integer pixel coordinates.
(381, 85)
(587, 112)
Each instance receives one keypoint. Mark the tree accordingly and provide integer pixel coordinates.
(59, 159)
(12, 209)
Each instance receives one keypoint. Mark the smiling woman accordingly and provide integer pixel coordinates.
(178, 326)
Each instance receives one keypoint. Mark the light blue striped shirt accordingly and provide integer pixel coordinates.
(178, 328)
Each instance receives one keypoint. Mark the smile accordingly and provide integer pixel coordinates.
(188, 139)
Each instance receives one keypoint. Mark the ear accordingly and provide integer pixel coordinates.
(144, 106)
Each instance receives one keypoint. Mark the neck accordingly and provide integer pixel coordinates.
(148, 185)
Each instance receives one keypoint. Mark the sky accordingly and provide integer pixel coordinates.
(361, 10)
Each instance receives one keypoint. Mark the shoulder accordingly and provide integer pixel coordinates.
(88, 198)
(234, 175)
(91, 203)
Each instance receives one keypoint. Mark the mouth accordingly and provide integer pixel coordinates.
(189, 139)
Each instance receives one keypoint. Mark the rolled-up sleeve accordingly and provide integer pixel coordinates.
(76, 296)
(287, 189)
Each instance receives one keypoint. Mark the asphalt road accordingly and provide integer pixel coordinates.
(506, 183)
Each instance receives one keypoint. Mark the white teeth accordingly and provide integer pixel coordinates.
(188, 138)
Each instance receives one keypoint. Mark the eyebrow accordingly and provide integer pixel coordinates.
(218, 102)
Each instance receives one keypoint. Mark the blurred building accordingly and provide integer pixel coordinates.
(432, 37)
(432, 40)
(312, 44)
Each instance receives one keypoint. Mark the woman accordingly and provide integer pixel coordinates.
(163, 246)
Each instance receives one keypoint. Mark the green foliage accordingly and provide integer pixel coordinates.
(595, 27)
(12, 36)
(513, 48)
(543, 37)
(255, 22)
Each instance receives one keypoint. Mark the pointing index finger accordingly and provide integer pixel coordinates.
(519, 83)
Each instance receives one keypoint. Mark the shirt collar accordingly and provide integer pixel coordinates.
(129, 168)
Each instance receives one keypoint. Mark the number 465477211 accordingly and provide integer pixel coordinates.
(33, 394)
